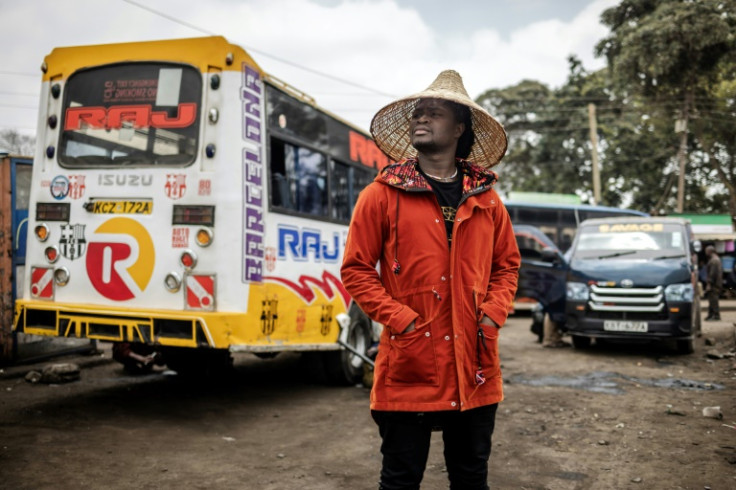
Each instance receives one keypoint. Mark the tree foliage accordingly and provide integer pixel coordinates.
(667, 60)
(15, 143)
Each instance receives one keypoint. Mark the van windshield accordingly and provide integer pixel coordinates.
(631, 240)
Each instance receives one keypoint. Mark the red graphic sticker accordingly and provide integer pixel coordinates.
(42, 284)
(200, 292)
(270, 259)
(205, 187)
(176, 185)
(102, 273)
(180, 237)
(303, 287)
(76, 186)
(108, 254)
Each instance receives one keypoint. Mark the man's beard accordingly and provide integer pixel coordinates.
(425, 146)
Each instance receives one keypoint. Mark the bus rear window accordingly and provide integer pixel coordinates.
(133, 114)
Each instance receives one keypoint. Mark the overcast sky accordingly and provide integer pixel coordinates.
(394, 47)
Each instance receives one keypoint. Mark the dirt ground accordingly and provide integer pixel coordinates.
(611, 417)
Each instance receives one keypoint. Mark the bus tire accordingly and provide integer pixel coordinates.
(580, 342)
(342, 367)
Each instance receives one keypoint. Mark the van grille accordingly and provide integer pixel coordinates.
(613, 303)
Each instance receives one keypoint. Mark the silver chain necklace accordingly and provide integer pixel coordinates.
(442, 179)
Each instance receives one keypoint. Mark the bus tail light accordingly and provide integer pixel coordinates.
(172, 282)
(193, 215)
(42, 232)
(61, 276)
(52, 254)
(204, 237)
(188, 259)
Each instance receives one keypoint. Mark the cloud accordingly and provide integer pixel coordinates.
(378, 44)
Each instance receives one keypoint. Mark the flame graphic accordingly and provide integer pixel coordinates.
(304, 290)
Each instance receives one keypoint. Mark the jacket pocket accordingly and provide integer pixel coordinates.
(486, 339)
(489, 360)
(411, 358)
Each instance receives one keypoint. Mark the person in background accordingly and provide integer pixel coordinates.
(552, 334)
(448, 273)
(136, 358)
(714, 285)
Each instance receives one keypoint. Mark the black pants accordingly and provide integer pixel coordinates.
(405, 446)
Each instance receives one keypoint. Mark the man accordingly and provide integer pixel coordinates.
(714, 283)
(448, 273)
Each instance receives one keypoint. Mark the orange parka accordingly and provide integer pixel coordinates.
(450, 362)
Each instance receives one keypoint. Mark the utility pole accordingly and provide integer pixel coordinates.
(681, 128)
(594, 143)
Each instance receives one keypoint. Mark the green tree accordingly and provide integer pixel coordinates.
(666, 55)
(547, 138)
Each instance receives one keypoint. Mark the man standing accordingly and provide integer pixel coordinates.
(448, 273)
(714, 283)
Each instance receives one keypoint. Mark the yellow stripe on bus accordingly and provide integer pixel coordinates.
(203, 53)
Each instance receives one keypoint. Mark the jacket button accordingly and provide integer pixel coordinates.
(393, 337)
(443, 278)
(454, 404)
(447, 337)
(436, 220)
(426, 334)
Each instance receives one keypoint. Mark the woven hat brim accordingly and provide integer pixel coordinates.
(390, 129)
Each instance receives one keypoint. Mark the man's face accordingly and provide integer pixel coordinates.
(433, 127)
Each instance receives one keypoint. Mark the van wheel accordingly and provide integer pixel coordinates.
(343, 367)
(580, 342)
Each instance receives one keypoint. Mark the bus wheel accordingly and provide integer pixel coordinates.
(343, 367)
(580, 342)
(202, 363)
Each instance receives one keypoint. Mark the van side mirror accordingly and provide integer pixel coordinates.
(551, 255)
(697, 246)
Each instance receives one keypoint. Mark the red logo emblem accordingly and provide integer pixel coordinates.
(120, 259)
(76, 186)
(270, 259)
(176, 185)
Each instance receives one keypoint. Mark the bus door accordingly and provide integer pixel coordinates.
(20, 178)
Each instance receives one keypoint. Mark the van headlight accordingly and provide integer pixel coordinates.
(577, 291)
(679, 292)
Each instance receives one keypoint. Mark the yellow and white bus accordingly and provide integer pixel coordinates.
(184, 198)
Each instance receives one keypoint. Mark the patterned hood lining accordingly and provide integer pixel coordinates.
(405, 175)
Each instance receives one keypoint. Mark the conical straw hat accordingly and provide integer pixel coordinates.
(390, 125)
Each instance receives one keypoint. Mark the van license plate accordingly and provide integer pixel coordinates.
(622, 326)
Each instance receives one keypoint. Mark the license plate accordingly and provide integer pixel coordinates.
(122, 207)
(623, 326)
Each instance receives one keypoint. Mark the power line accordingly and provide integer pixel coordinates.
(5, 72)
(262, 53)
(12, 106)
(18, 93)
